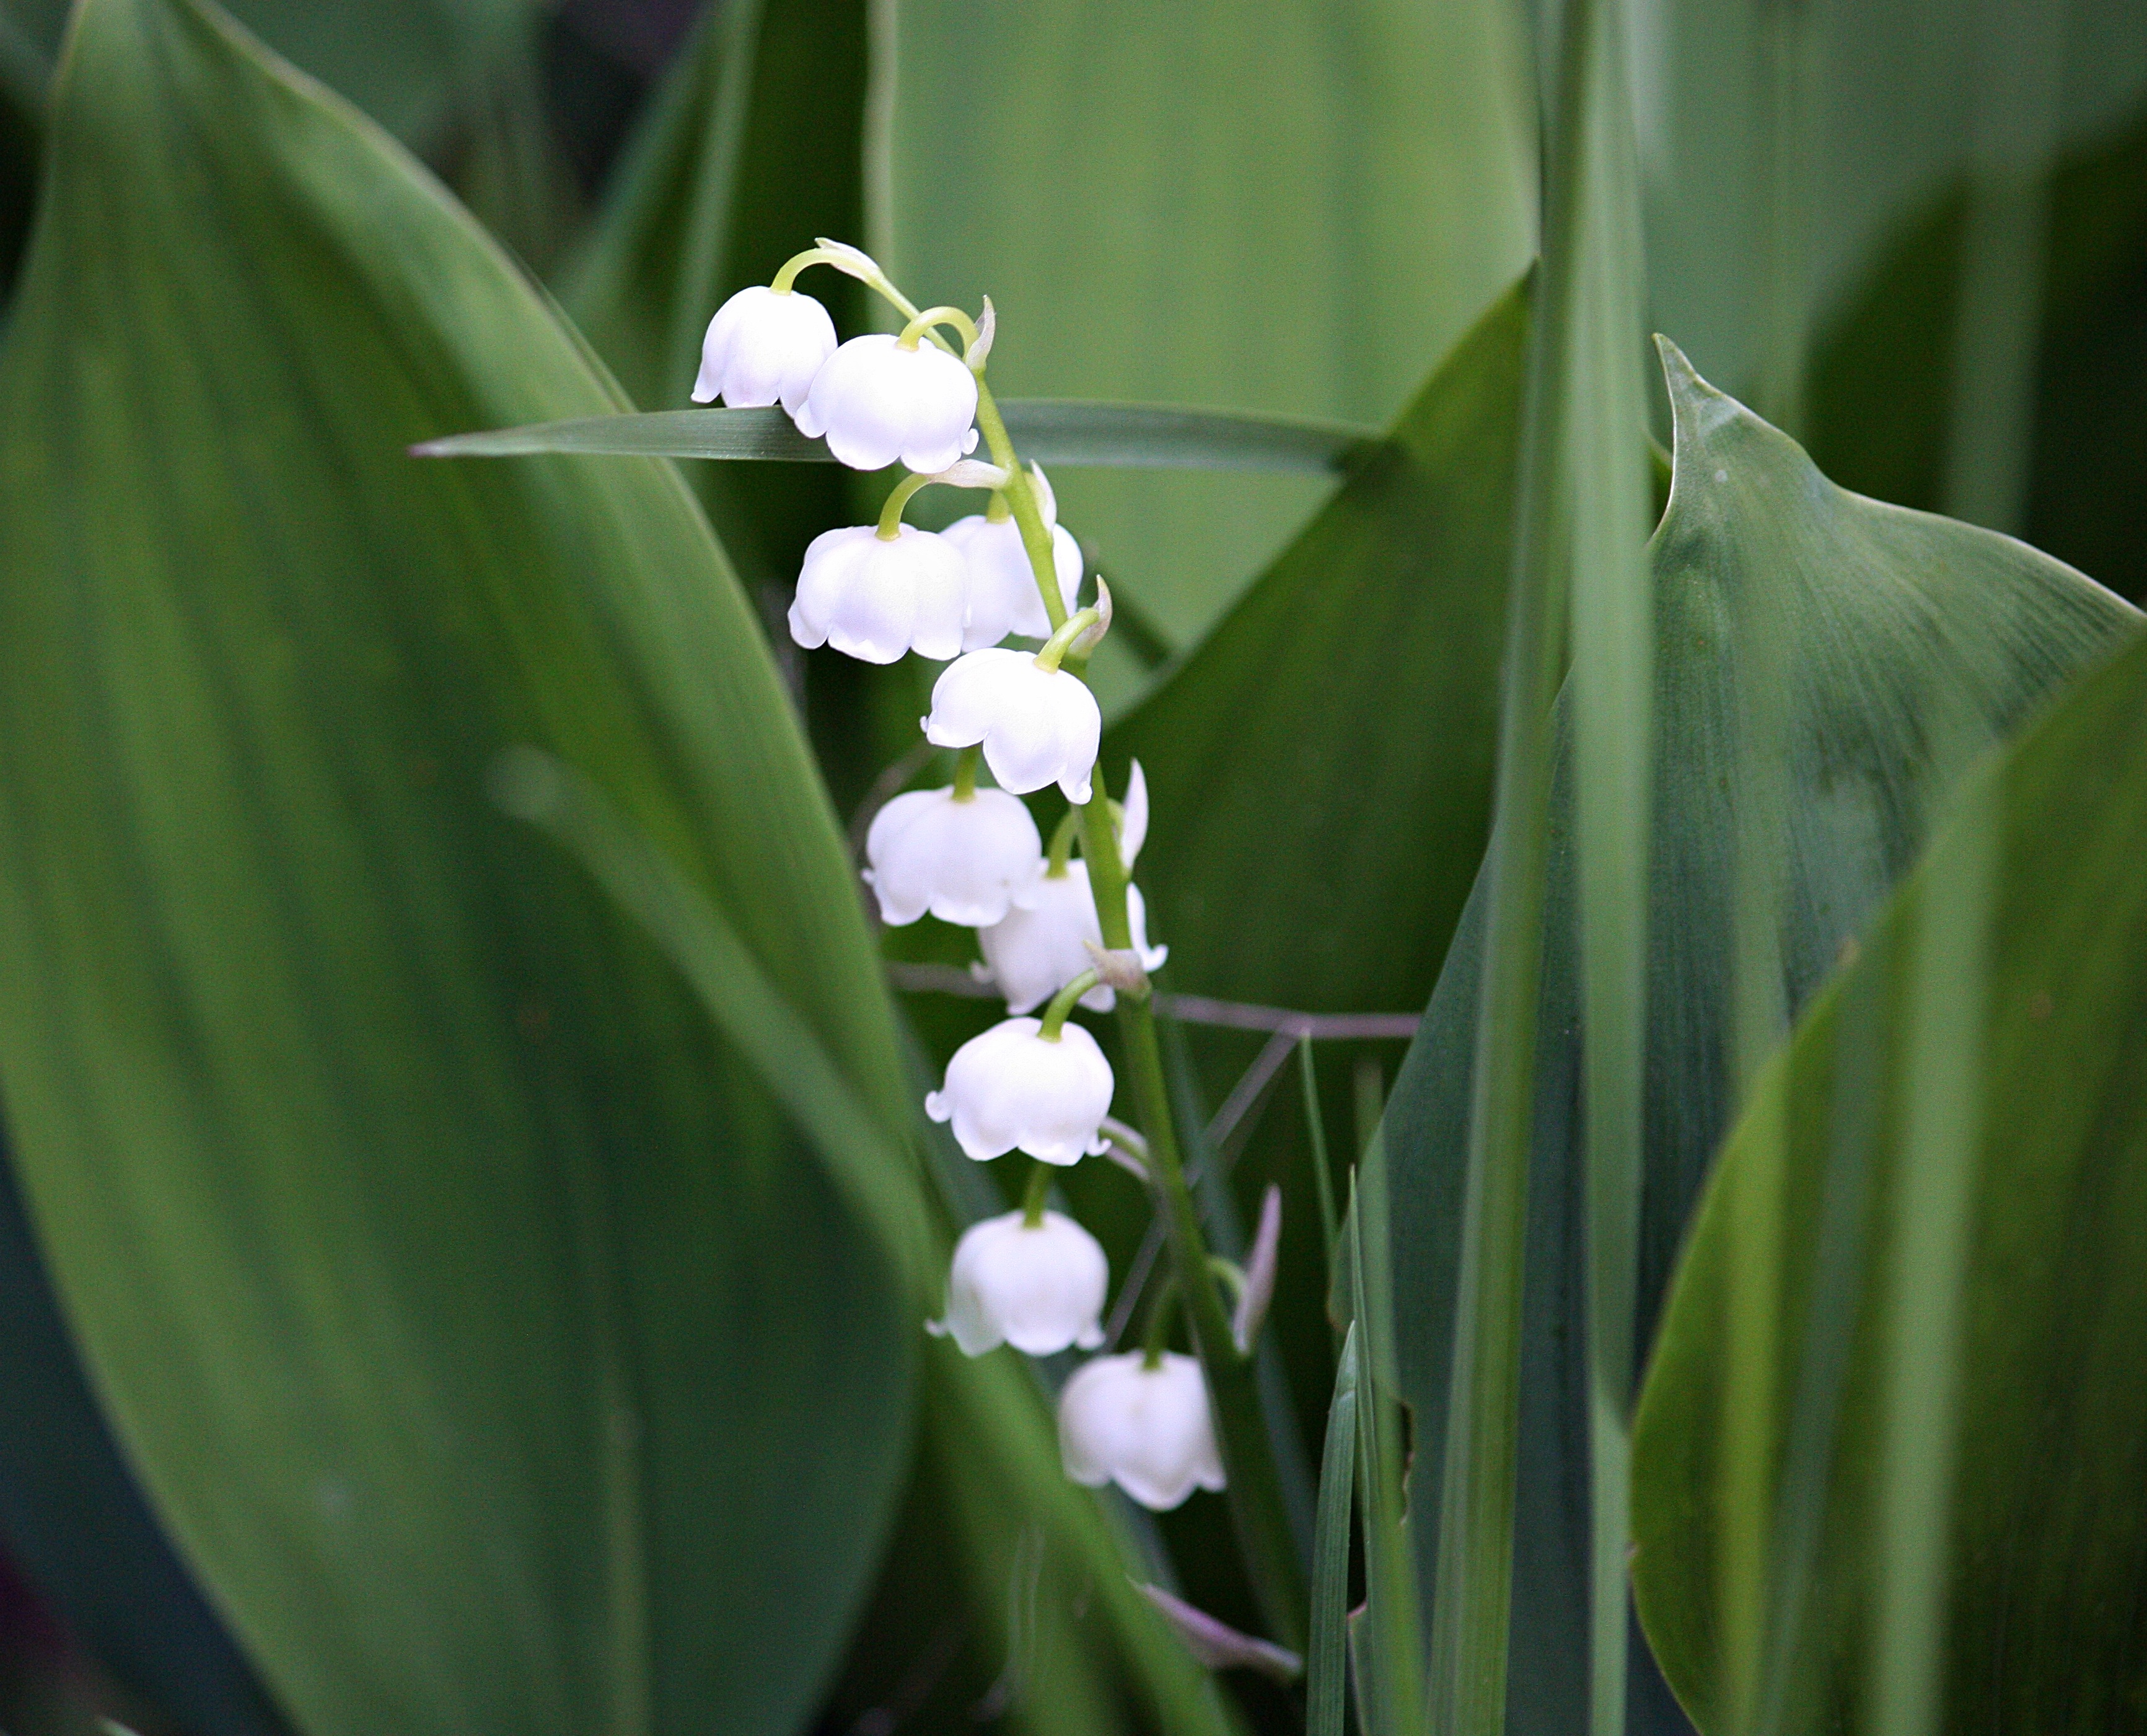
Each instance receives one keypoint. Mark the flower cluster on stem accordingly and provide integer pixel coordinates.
(1157, 1421)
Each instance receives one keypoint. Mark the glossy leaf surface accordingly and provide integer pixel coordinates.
(440, 1276)
(1856, 618)
(2046, 1532)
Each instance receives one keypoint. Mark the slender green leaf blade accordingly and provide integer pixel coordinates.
(1388, 607)
(1881, 611)
(2038, 1534)
(1056, 432)
(1326, 1658)
(372, 1152)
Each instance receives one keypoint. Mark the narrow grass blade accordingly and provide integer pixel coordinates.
(1614, 736)
(1948, 995)
(1069, 433)
(1392, 1641)
(1326, 1660)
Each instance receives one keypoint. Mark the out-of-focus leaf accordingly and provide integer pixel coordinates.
(1869, 615)
(1884, 100)
(72, 1517)
(1882, 369)
(449, 1287)
(1307, 848)
(1293, 208)
(1051, 431)
(2046, 1536)
(405, 62)
(752, 147)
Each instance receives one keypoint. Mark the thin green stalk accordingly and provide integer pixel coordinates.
(1473, 1583)
(1254, 1488)
(1786, 77)
(1326, 1673)
(1613, 711)
(1998, 329)
(1316, 1128)
(1039, 1191)
(1020, 491)
(1949, 989)
(1394, 1689)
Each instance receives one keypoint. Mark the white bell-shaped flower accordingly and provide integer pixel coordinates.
(875, 597)
(877, 401)
(1037, 949)
(1002, 594)
(964, 859)
(1147, 1429)
(763, 346)
(1039, 1288)
(1038, 726)
(1013, 1088)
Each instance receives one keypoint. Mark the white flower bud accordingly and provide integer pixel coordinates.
(1038, 726)
(1003, 593)
(875, 597)
(964, 859)
(877, 401)
(1039, 1289)
(1037, 949)
(764, 348)
(1013, 1088)
(1147, 1429)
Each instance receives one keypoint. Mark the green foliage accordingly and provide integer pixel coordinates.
(1802, 635)
(443, 1281)
(1290, 208)
(1819, 1192)
(1388, 605)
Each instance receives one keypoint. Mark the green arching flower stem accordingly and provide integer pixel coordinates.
(1032, 1202)
(1062, 1003)
(965, 773)
(898, 498)
(1062, 845)
(1020, 494)
(1255, 1487)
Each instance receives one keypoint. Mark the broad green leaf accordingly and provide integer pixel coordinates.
(1053, 431)
(1306, 850)
(447, 1284)
(73, 1521)
(405, 62)
(1857, 619)
(750, 148)
(1290, 209)
(2044, 1537)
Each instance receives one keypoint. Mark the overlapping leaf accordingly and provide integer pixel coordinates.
(440, 1274)
(1298, 209)
(2046, 1536)
(1800, 626)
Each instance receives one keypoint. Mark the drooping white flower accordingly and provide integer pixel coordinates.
(764, 347)
(965, 858)
(1147, 1429)
(1036, 950)
(875, 597)
(1003, 593)
(877, 401)
(1039, 1289)
(1038, 726)
(1013, 1088)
